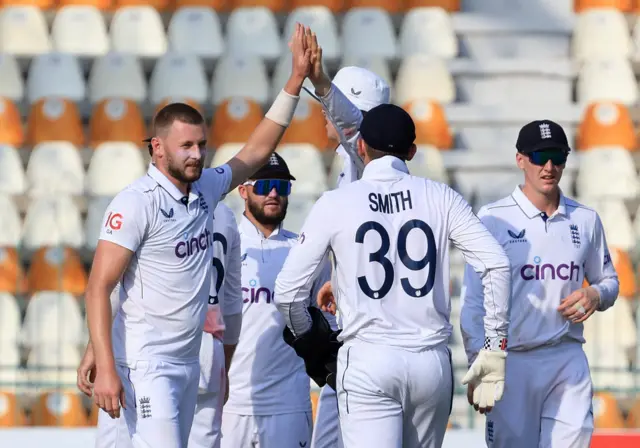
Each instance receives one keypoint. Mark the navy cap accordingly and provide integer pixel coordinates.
(388, 128)
(542, 134)
(275, 168)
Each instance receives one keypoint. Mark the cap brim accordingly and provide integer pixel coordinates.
(279, 176)
(147, 140)
(546, 145)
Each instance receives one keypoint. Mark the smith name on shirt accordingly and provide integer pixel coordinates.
(384, 203)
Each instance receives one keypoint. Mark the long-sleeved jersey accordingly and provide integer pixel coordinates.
(550, 257)
(389, 233)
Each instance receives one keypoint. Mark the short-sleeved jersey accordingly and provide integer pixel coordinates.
(225, 296)
(266, 376)
(550, 257)
(389, 233)
(166, 284)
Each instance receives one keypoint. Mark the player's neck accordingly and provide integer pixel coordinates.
(547, 203)
(183, 187)
(265, 229)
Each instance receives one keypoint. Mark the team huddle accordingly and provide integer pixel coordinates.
(205, 332)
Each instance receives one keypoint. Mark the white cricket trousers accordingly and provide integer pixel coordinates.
(112, 433)
(160, 399)
(266, 431)
(393, 398)
(326, 428)
(554, 386)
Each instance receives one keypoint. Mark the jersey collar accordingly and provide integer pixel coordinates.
(169, 187)
(250, 230)
(531, 210)
(384, 168)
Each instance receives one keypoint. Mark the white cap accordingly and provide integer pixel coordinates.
(364, 88)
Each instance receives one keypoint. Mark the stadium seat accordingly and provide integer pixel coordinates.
(117, 75)
(307, 125)
(390, 6)
(52, 221)
(224, 153)
(322, 21)
(601, 34)
(160, 5)
(11, 132)
(240, 76)
(178, 75)
(335, 6)
(606, 412)
(61, 409)
(54, 119)
(196, 30)
(306, 165)
(55, 75)
(281, 76)
(299, 207)
(486, 140)
(57, 269)
(10, 321)
(618, 180)
(580, 6)
(52, 319)
(102, 5)
(431, 124)
(607, 80)
(12, 177)
(55, 168)
(428, 163)
(424, 78)
(557, 12)
(217, 5)
(11, 414)
(138, 30)
(375, 64)
(11, 84)
(447, 5)
(234, 121)
(80, 30)
(633, 418)
(473, 185)
(23, 31)
(173, 100)
(606, 124)
(95, 216)
(253, 32)
(615, 221)
(273, 5)
(428, 31)
(118, 120)
(368, 32)
(12, 277)
(114, 165)
(626, 275)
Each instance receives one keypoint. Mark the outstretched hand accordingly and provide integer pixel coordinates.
(301, 53)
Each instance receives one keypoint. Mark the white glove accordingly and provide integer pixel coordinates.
(486, 374)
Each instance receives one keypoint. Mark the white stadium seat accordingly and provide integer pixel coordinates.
(117, 75)
(607, 172)
(428, 163)
(52, 318)
(253, 32)
(428, 31)
(635, 40)
(480, 187)
(615, 220)
(80, 30)
(94, 223)
(52, 221)
(196, 30)
(240, 76)
(10, 320)
(607, 80)
(601, 33)
(12, 176)
(178, 75)
(55, 74)
(423, 77)
(368, 32)
(55, 168)
(114, 165)
(636, 227)
(553, 13)
(138, 30)
(322, 21)
(23, 31)
(224, 153)
(9, 353)
(298, 210)
(51, 356)
(306, 165)
(375, 64)
(11, 84)
(281, 75)
(10, 224)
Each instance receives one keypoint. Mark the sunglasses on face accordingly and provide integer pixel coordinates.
(263, 187)
(541, 157)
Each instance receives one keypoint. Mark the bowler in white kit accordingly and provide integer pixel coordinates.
(554, 243)
(389, 233)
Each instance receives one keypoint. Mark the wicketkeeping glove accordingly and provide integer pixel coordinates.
(486, 374)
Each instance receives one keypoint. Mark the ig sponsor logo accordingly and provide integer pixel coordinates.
(114, 222)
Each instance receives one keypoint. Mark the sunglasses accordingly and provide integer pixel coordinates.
(541, 157)
(263, 187)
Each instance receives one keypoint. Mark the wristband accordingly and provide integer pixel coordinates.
(283, 108)
(495, 344)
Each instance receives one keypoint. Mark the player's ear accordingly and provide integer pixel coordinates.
(412, 152)
(362, 148)
(242, 189)
(520, 160)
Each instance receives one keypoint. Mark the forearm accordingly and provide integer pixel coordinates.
(99, 318)
(296, 316)
(233, 325)
(496, 302)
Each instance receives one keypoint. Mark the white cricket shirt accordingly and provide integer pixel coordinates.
(549, 260)
(389, 233)
(266, 376)
(165, 287)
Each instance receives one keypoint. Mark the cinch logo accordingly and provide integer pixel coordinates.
(539, 271)
(254, 294)
(194, 245)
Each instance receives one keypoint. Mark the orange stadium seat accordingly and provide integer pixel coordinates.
(59, 409)
(447, 5)
(234, 121)
(116, 119)
(314, 404)
(622, 5)
(93, 415)
(100, 4)
(10, 412)
(334, 5)
(607, 124)
(11, 132)
(57, 269)
(12, 277)
(54, 119)
(633, 418)
(218, 5)
(273, 5)
(391, 6)
(307, 126)
(431, 124)
(42, 4)
(606, 412)
(188, 101)
(626, 275)
(160, 5)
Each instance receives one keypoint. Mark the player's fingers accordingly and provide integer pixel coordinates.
(569, 301)
(471, 375)
(585, 316)
(470, 394)
(319, 54)
(499, 391)
(122, 400)
(115, 406)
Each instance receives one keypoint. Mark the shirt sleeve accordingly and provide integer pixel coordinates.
(217, 181)
(126, 220)
(304, 264)
(599, 269)
(233, 279)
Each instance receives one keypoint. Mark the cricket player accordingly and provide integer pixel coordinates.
(553, 243)
(157, 240)
(389, 233)
(269, 403)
